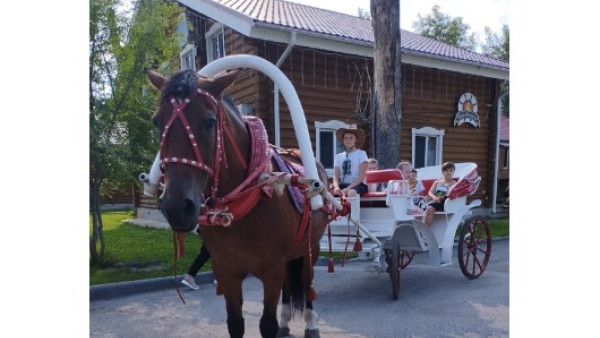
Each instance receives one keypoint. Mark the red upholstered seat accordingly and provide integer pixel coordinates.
(383, 176)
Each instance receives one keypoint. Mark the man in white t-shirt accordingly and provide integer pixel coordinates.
(349, 166)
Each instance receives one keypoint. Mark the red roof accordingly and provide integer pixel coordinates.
(290, 15)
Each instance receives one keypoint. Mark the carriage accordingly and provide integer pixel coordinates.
(387, 226)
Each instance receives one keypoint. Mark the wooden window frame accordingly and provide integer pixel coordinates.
(331, 127)
(216, 31)
(429, 133)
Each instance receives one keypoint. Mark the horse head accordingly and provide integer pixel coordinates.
(191, 119)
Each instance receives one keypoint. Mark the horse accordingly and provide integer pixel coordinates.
(211, 158)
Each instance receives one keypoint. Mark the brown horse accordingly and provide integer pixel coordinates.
(209, 158)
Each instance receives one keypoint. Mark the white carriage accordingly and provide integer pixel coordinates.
(388, 228)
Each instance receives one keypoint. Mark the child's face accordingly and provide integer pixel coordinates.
(412, 177)
(406, 171)
(349, 140)
(371, 166)
(448, 173)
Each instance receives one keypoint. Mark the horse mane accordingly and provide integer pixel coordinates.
(181, 83)
(228, 104)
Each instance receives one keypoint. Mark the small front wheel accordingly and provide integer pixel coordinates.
(394, 268)
(405, 258)
(474, 246)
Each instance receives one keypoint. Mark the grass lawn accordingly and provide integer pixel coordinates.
(133, 252)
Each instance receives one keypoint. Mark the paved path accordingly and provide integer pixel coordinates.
(354, 301)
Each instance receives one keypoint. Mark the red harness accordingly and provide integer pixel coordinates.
(236, 204)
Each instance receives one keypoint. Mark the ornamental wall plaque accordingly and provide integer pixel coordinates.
(467, 111)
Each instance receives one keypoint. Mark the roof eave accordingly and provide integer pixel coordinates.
(308, 39)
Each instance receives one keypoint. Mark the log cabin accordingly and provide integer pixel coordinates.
(450, 96)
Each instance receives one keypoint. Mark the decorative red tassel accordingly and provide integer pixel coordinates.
(219, 291)
(357, 246)
(312, 294)
(330, 265)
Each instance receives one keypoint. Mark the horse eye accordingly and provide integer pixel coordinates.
(210, 123)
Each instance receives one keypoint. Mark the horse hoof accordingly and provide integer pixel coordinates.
(312, 333)
(283, 332)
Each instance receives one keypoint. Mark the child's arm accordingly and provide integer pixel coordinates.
(432, 190)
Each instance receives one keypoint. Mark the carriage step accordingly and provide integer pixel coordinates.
(341, 244)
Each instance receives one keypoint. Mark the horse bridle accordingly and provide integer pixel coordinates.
(197, 162)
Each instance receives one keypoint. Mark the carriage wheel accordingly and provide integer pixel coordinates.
(394, 269)
(474, 246)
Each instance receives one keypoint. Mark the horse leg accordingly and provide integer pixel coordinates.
(310, 316)
(286, 308)
(232, 290)
(271, 288)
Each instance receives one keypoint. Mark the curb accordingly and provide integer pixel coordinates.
(122, 289)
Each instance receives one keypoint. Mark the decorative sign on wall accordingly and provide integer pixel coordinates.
(467, 110)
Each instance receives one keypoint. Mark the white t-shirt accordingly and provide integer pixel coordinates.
(356, 157)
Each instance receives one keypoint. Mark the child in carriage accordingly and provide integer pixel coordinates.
(373, 165)
(417, 189)
(349, 166)
(439, 190)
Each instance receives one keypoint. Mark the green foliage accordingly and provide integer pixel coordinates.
(122, 43)
(442, 27)
(363, 13)
(498, 47)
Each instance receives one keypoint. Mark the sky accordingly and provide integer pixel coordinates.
(476, 13)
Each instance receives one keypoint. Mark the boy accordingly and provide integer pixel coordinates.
(349, 166)
(439, 190)
(373, 165)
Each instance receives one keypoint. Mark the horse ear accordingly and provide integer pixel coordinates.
(220, 83)
(156, 78)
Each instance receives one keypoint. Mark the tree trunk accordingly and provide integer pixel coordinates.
(97, 233)
(387, 103)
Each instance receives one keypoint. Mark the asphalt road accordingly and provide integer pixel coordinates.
(354, 301)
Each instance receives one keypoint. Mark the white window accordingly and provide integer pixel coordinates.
(188, 57)
(215, 43)
(327, 145)
(427, 146)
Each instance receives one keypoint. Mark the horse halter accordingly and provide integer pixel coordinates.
(197, 161)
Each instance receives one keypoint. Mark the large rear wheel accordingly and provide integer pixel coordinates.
(474, 246)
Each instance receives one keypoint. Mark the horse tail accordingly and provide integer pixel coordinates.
(296, 284)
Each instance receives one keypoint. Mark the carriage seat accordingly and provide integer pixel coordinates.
(380, 176)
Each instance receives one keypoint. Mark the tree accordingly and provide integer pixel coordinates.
(122, 44)
(387, 104)
(442, 27)
(363, 14)
(498, 47)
